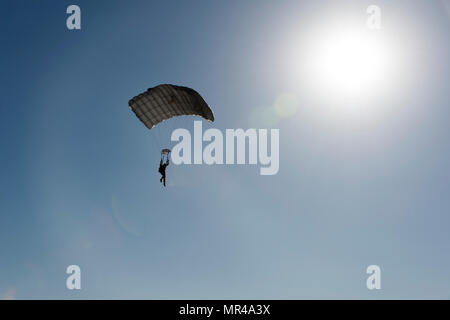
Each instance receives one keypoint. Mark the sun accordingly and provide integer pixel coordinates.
(342, 65)
(348, 63)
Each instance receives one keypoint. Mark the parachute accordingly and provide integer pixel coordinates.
(158, 107)
(166, 101)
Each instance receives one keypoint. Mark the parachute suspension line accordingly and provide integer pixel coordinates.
(158, 137)
(153, 142)
(168, 132)
(172, 126)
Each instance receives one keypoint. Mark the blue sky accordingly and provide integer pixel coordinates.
(357, 185)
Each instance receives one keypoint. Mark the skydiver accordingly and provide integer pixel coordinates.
(162, 170)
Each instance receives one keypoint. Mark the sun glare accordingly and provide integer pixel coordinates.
(348, 63)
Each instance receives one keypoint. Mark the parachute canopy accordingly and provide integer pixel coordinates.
(165, 151)
(166, 101)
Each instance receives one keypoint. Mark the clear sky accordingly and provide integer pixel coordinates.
(364, 171)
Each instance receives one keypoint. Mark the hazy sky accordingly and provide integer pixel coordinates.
(364, 173)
